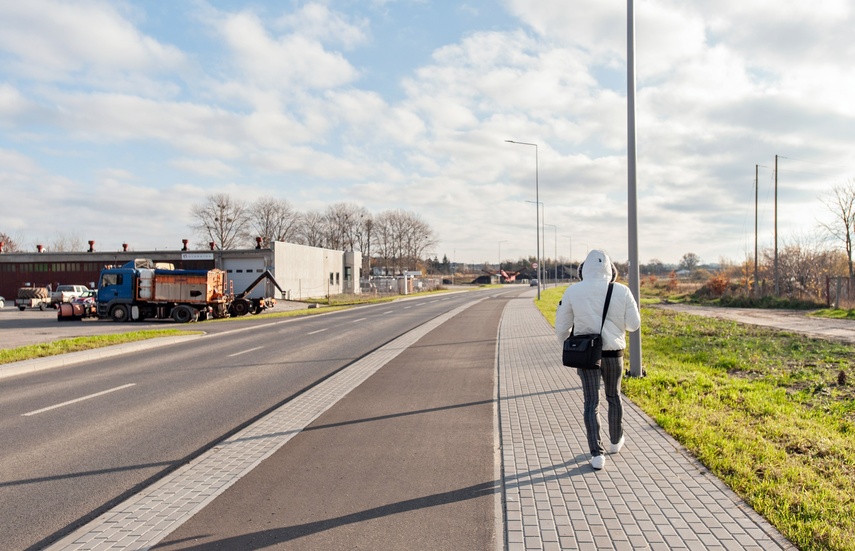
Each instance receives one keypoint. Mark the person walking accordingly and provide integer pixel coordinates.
(581, 310)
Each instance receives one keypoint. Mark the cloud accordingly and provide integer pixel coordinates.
(290, 60)
(52, 40)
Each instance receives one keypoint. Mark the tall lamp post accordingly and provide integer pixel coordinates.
(635, 368)
(537, 199)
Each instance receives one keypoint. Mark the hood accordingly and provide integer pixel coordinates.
(596, 266)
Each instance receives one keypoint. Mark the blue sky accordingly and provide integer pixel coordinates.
(116, 117)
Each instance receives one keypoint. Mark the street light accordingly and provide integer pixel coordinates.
(632, 196)
(537, 199)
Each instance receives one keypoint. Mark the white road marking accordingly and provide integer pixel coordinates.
(318, 331)
(388, 312)
(360, 319)
(245, 351)
(68, 403)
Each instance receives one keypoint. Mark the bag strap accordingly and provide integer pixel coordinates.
(606, 307)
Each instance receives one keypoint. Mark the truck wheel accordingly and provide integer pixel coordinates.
(119, 313)
(182, 314)
(42, 307)
(22, 308)
(239, 307)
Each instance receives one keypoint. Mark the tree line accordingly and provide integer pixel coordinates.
(392, 240)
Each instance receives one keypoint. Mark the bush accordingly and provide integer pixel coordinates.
(737, 301)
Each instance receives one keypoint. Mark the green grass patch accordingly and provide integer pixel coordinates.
(64, 346)
(770, 413)
(834, 313)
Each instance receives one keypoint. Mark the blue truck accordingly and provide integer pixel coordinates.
(141, 289)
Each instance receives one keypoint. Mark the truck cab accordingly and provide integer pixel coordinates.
(115, 293)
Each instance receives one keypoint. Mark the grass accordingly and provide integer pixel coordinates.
(770, 413)
(843, 314)
(64, 346)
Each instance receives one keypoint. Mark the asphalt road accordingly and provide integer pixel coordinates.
(405, 461)
(78, 439)
(20, 328)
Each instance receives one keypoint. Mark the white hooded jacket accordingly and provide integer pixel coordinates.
(582, 305)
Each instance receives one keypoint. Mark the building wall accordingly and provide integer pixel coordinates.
(75, 268)
(303, 272)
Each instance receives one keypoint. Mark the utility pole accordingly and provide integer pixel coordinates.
(756, 170)
(777, 287)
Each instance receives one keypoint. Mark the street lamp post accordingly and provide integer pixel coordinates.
(537, 199)
(635, 368)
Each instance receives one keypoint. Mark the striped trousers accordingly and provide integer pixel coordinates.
(611, 372)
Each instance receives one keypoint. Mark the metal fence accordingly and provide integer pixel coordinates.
(839, 292)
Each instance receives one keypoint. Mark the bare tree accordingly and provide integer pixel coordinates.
(401, 238)
(274, 220)
(803, 264)
(689, 262)
(383, 238)
(221, 220)
(841, 203)
(63, 243)
(312, 228)
(10, 244)
(363, 240)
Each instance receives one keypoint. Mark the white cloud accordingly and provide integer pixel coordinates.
(51, 39)
(318, 22)
(290, 60)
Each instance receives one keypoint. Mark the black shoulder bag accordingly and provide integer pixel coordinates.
(586, 351)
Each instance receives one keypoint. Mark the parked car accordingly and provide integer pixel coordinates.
(533, 283)
(2, 302)
(67, 293)
(89, 295)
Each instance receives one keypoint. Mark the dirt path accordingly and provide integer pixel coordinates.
(797, 321)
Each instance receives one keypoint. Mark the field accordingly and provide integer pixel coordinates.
(771, 413)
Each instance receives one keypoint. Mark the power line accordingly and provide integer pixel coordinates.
(818, 164)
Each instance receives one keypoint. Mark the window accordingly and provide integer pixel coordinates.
(111, 279)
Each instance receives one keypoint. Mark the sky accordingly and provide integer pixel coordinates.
(116, 117)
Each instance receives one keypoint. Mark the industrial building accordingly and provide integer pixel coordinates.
(302, 272)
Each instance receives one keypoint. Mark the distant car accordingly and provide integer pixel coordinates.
(533, 283)
(90, 295)
(2, 302)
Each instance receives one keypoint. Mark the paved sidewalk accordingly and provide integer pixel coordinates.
(653, 495)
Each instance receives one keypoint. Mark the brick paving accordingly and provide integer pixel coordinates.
(652, 495)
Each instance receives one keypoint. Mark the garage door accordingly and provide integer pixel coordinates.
(241, 272)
